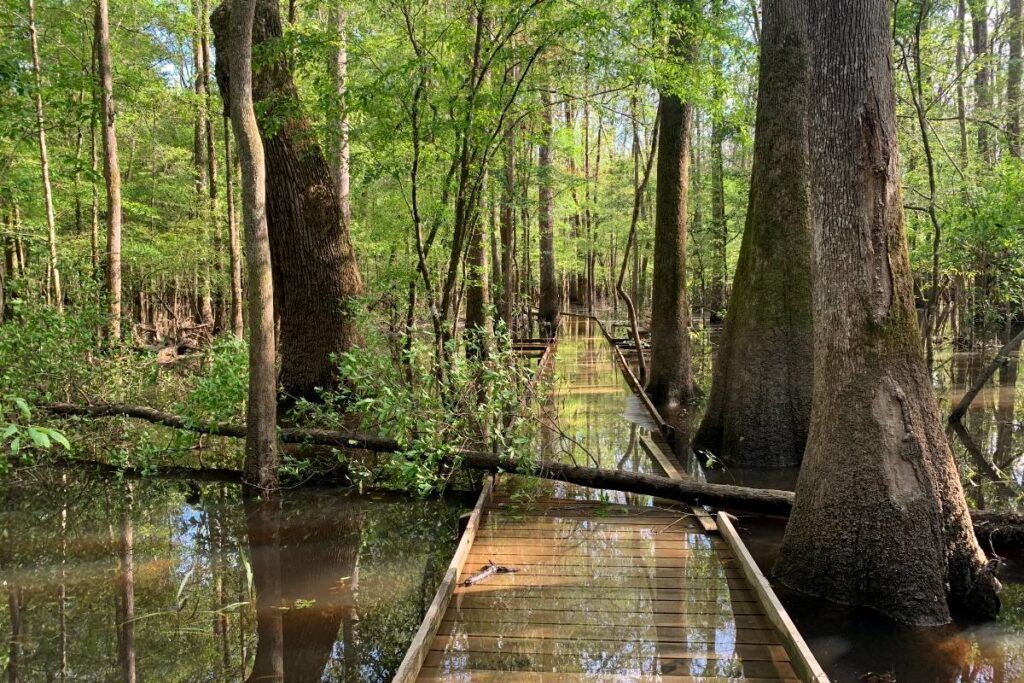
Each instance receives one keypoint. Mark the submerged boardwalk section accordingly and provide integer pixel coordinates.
(601, 590)
(601, 585)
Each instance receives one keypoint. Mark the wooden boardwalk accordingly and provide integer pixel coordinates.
(605, 588)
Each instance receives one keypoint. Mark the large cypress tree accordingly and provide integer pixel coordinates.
(880, 518)
(671, 381)
(316, 277)
(760, 400)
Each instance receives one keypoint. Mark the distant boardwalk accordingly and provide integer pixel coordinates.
(606, 585)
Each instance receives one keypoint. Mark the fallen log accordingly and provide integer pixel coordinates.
(322, 437)
(1005, 529)
(765, 501)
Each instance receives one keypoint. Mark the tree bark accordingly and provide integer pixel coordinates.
(199, 157)
(1015, 27)
(880, 518)
(111, 172)
(760, 403)
(507, 227)
(550, 295)
(213, 284)
(234, 243)
(53, 282)
(982, 75)
(477, 287)
(316, 277)
(339, 67)
(671, 382)
(261, 457)
(719, 223)
(94, 161)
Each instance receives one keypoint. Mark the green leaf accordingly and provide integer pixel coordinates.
(26, 412)
(39, 438)
(9, 432)
(59, 438)
(16, 445)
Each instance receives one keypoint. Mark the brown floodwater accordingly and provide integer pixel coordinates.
(162, 581)
(181, 582)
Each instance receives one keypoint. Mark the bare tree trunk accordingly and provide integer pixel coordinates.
(111, 173)
(671, 382)
(476, 287)
(1015, 26)
(719, 224)
(507, 227)
(760, 403)
(261, 457)
(214, 283)
(639, 188)
(549, 291)
(880, 518)
(983, 74)
(199, 153)
(340, 142)
(961, 98)
(315, 272)
(94, 161)
(53, 283)
(234, 246)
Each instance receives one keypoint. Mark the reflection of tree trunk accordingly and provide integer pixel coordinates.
(262, 518)
(14, 604)
(62, 588)
(216, 534)
(308, 567)
(1004, 412)
(126, 590)
(973, 450)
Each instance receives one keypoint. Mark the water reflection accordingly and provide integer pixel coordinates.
(146, 580)
(609, 585)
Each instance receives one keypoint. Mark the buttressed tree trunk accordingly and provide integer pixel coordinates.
(880, 518)
(315, 271)
(550, 295)
(671, 382)
(760, 403)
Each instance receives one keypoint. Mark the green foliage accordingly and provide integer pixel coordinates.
(220, 392)
(20, 439)
(476, 404)
(45, 355)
